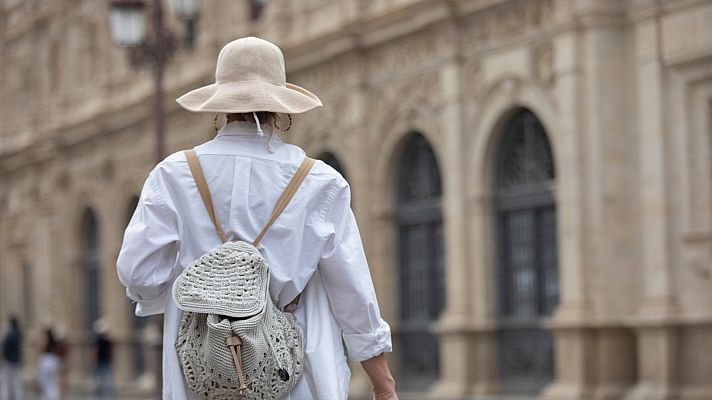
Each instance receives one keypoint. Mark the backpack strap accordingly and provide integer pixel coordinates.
(284, 199)
(282, 202)
(199, 179)
(286, 196)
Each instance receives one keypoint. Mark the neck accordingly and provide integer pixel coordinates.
(246, 117)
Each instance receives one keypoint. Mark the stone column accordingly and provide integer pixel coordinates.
(115, 307)
(456, 345)
(361, 181)
(607, 119)
(483, 303)
(657, 337)
(573, 342)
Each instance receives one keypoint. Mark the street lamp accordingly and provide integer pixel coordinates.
(128, 29)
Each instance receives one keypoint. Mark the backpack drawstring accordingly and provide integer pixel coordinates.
(234, 343)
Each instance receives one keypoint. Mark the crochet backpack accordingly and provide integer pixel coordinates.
(233, 340)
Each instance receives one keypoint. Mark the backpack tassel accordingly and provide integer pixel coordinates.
(234, 343)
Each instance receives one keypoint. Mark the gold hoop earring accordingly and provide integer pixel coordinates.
(215, 123)
(290, 123)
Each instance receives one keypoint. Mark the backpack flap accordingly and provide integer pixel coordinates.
(231, 280)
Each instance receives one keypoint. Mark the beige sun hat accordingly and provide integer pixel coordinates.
(250, 77)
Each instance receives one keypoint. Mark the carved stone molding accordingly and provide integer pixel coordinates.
(543, 64)
(394, 57)
(330, 77)
(388, 99)
(474, 80)
(506, 20)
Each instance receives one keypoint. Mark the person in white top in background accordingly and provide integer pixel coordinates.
(48, 368)
(314, 247)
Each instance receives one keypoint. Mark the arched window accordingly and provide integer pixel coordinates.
(138, 361)
(527, 265)
(92, 270)
(421, 262)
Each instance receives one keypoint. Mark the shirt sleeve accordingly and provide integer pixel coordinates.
(146, 261)
(348, 283)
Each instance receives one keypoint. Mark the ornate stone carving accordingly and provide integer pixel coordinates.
(506, 20)
(473, 80)
(393, 58)
(385, 99)
(331, 76)
(543, 63)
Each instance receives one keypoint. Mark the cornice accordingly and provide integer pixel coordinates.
(365, 33)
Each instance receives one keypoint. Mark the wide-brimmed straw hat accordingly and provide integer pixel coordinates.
(250, 77)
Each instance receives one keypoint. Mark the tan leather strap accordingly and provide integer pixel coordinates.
(199, 179)
(287, 195)
(282, 202)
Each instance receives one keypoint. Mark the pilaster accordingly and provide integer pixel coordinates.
(657, 350)
(456, 340)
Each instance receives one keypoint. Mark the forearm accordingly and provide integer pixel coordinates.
(377, 370)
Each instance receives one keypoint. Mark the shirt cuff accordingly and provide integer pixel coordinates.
(363, 346)
(147, 307)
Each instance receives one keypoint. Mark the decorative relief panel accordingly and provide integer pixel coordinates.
(386, 102)
(506, 20)
(474, 80)
(378, 7)
(543, 64)
(331, 76)
(394, 57)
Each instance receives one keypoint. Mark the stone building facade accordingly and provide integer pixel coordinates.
(532, 179)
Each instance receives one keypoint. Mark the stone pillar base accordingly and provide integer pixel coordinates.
(652, 391)
(610, 391)
(565, 391)
(698, 392)
(448, 390)
(456, 358)
(574, 354)
(657, 362)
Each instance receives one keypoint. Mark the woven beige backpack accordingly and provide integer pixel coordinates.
(233, 341)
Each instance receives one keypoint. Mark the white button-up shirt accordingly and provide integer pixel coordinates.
(314, 248)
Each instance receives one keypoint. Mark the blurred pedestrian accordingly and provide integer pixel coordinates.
(63, 353)
(103, 348)
(10, 379)
(48, 368)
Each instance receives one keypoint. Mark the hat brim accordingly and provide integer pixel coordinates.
(249, 96)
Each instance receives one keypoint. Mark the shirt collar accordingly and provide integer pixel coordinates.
(244, 128)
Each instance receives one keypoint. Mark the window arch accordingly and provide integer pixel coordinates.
(92, 269)
(421, 261)
(527, 264)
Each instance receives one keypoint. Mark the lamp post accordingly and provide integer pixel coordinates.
(128, 29)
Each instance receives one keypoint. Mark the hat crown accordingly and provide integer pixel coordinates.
(250, 59)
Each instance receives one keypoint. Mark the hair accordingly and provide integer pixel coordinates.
(51, 342)
(265, 117)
